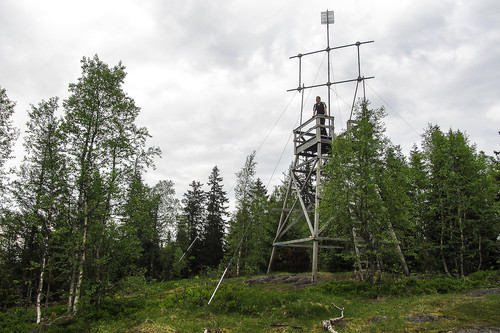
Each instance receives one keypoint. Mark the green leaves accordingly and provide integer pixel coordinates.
(435, 208)
(8, 135)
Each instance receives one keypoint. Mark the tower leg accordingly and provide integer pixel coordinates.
(271, 260)
(314, 276)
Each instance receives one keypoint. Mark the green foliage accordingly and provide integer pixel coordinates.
(85, 223)
(410, 286)
(8, 136)
(461, 222)
(182, 305)
(195, 213)
(364, 192)
(213, 235)
(109, 309)
(16, 320)
(253, 224)
(436, 213)
(487, 278)
(107, 152)
(195, 296)
(238, 298)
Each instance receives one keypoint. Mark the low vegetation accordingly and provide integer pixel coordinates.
(390, 305)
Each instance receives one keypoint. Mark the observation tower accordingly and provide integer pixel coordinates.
(312, 143)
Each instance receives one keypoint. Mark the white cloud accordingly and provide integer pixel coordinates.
(211, 79)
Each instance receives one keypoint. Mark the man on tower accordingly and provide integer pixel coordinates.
(320, 108)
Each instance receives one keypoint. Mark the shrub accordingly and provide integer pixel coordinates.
(410, 286)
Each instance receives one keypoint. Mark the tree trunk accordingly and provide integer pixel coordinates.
(441, 243)
(238, 262)
(358, 255)
(462, 246)
(47, 294)
(40, 289)
(480, 254)
(82, 259)
(398, 250)
(71, 293)
(271, 260)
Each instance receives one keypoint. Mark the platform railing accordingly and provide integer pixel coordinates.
(309, 133)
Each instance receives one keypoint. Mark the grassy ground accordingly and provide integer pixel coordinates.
(409, 305)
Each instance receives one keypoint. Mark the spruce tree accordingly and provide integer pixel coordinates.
(195, 212)
(213, 237)
(356, 195)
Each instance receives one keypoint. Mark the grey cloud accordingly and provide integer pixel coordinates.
(211, 79)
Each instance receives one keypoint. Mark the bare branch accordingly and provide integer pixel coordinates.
(328, 324)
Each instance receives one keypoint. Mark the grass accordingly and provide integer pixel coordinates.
(181, 306)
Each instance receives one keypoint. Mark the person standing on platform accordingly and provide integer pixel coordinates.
(320, 109)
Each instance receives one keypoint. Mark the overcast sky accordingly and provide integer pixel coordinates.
(211, 76)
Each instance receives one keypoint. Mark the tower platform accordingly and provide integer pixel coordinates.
(312, 137)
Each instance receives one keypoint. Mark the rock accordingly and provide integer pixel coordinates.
(483, 291)
(296, 280)
(479, 329)
(422, 318)
(375, 320)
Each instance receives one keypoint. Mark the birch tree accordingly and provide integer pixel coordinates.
(8, 137)
(42, 186)
(239, 223)
(9, 222)
(460, 197)
(106, 147)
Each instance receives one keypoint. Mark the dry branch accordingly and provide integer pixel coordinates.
(328, 324)
(284, 325)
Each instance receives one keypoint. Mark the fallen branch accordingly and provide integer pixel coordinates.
(328, 324)
(284, 325)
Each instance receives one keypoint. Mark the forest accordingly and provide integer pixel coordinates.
(77, 217)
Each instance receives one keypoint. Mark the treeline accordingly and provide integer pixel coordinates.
(77, 218)
(436, 211)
